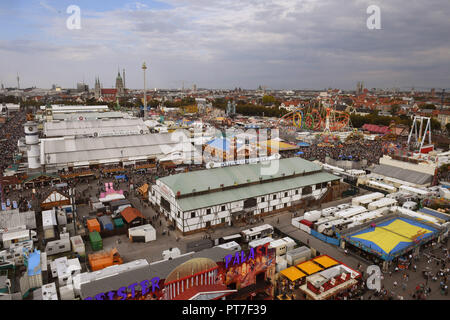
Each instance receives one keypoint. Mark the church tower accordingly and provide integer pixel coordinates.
(97, 89)
(119, 85)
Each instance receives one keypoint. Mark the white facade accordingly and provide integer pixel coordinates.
(200, 218)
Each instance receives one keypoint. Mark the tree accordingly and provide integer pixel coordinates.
(268, 100)
(435, 124)
(447, 126)
(395, 108)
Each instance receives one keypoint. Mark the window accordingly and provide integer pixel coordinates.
(62, 247)
(223, 208)
(208, 211)
(274, 197)
(165, 204)
(285, 194)
(249, 203)
(296, 192)
(318, 186)
(307, 190)
(193, 214)
(222, 220)
(179, 213)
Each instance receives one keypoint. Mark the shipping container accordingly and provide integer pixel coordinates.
(96, 241)
(106, 223)
(102, 260)
(118, 223)
(93, 225)
(307, 223)
(294, 256)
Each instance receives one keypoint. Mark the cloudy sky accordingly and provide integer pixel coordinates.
(282, 44)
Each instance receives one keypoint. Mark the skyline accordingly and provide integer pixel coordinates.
(282, 44)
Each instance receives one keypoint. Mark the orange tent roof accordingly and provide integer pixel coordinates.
(129, 214)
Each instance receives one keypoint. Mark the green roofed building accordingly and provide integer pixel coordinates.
(197, 200)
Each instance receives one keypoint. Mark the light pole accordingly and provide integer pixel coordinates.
(144, 67)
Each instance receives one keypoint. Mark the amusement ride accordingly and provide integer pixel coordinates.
(319, 118)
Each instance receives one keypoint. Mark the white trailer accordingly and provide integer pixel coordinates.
(312, 215)
(329, 211)
(382, 186)
(58, 246)
(232, 245)
(146, 232)
(419, 192)
(279, 245)
(290, 243)
(347, 213)
(257, 232)
(78, 245)
(17, 236)
(384, 202)
(371, 197)
(259, 242)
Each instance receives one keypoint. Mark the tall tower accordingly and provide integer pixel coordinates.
(144, 67)
(32, 142)
(18, 81)
(97, 89)
(124, 85)
(119, 84)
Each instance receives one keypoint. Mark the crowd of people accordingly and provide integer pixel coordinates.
(371, 151)
(10, 132)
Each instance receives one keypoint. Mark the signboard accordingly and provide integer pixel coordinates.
(242, 268)
(211, 165)
(122, 291)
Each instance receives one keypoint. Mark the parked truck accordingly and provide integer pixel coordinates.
(101, 260)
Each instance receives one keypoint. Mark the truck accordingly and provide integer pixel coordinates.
(101, 260)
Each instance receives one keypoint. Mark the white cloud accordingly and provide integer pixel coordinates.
(227, 43)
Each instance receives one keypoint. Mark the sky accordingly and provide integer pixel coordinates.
(280, 44)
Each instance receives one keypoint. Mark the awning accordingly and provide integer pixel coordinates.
(292, 273)
(309, 267)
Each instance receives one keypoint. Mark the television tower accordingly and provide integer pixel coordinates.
(144, 67)
(18, 81)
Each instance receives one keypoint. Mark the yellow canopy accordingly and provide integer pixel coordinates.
(292, 273)
(325, 261)
(309, 267)
(282, 146)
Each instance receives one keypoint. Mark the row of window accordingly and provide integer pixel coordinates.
(249, 203)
